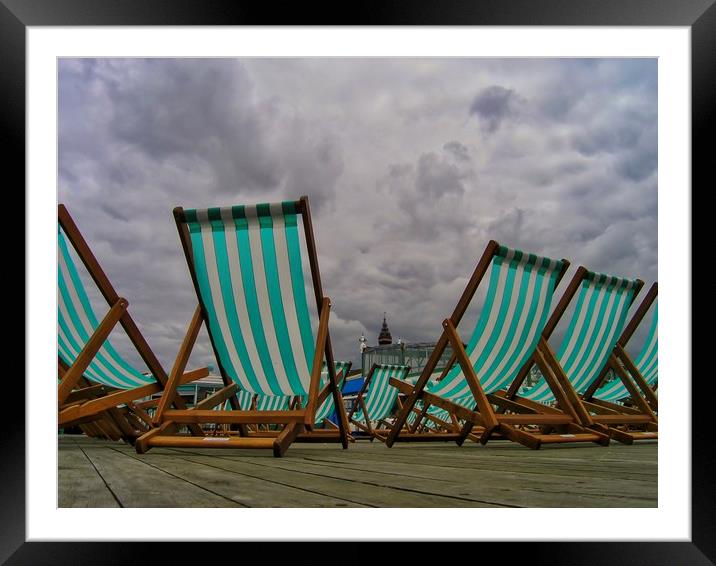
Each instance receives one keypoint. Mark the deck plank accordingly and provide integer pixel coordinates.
(500, 474)
(332, 485)
(79, 484)
(503, 487)
(139, 484)
(496, 488)
(248, 487)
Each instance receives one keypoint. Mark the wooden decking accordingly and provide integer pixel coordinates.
(95, 473)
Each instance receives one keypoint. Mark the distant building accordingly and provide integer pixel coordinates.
(384, 338)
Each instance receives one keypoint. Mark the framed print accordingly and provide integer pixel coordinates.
(386, 120)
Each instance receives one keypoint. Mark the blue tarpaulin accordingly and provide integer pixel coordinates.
(352, 387)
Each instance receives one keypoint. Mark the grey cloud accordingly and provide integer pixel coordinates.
(609, 140)
(492, 105)
(195, 114)
(437, 177)
(430, 194)
(405, 193)
(458, 150)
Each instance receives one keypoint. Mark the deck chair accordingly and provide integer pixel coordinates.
(113, 424)
(97, 387)
(245, 263)
(644, 371)
(376, 400)
(107, 425)
(614, 397)
(502, 349)
(587, 351)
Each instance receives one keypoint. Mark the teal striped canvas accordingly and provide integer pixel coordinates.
(272, 402)
(328, 406)
(76, 321)
(508, 329)
(596, 324)
(282, 402)
(245, 399)
(380, 397)
(248, 266)
(646, 362)
(468, 402)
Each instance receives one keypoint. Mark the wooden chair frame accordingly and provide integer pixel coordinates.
(81, 403)
(295, 421)
(522, 423)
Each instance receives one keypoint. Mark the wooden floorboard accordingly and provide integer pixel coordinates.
(95, 473)
(80, 485)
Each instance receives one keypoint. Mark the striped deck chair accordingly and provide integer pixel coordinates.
(615, 397)
(96, 384)
(501, 350)
(246, 266)
(376, 400)
(587, 352)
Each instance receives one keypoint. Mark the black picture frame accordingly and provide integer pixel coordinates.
(699, 15)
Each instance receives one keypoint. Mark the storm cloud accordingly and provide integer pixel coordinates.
(492, 105)
(411, 167)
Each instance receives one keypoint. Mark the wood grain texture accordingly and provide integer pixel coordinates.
(101, 473)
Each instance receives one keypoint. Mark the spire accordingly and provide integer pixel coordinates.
(384, 337)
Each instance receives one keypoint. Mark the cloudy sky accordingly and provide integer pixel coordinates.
(411, 167)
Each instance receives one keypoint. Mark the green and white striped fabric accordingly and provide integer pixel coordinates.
(380, 397)
(225, 406)
(77, 322)
(438, 413)
(468, 402)
(412, 415)
(434, 411)
(602, 306)
(508, 329)
(273, 402)
(646, 362)
(328, 406)
(282, 402)
(247, 261)
(244, 398)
